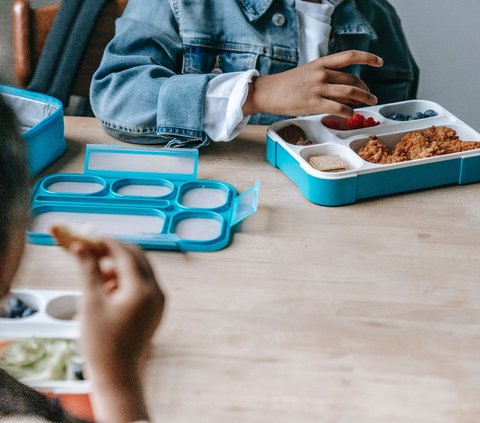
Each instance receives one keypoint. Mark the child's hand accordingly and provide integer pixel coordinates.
(120, 311)
(314, 88)
(122, 304)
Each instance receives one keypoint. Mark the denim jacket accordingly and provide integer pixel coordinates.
(150, 86)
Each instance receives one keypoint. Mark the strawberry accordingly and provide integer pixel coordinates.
(369, 122)
(356, 122)
(331, 123)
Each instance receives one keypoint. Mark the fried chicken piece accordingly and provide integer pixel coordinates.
(441, 134)
(374, 151)
(415, 145)
(448, 141)
(434, 141)
(458, 146)
(394, 159)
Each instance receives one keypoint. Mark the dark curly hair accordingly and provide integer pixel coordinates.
(14, 182)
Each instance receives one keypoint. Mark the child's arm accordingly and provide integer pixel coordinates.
(313, 88)
(121, 309)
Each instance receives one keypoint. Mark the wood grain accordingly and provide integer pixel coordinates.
(363, 313)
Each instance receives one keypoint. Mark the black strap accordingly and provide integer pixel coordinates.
(65, 47)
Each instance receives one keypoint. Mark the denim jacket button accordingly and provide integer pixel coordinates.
(278, 19)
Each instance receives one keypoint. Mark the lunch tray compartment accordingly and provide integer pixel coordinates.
(361, 179)
(55, 318)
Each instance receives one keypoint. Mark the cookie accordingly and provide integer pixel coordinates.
(328, 163)
(66, 236)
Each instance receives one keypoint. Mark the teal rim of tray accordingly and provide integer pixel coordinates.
(40, 118)
(145, 196)
(363, 180)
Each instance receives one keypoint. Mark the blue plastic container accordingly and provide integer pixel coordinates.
(149, 197)
(361, 179)
(41, 120)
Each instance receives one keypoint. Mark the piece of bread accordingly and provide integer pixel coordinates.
(328, 163)
(66, 236)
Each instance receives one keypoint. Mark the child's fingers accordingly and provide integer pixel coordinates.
(351, 57)
(142, 261)
(342, 78)
(92, 274)
(130, 262)
(347, 94)
(109, 274)
(336, 108)
(110, 285)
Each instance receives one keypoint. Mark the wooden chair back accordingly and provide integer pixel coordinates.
(30, 30)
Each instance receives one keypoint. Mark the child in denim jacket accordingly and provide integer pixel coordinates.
(199, 71)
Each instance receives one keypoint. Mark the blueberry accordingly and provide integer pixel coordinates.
(78, 372)
(15, 308)
(418, 115)
(398, 116)
(28, 312)
(411, 117)
(430, 113)
(14, 302)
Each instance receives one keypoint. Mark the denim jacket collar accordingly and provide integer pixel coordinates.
(350, 21)
(254, 9)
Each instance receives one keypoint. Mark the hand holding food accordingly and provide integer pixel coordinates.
(66, 236)
(117, 325)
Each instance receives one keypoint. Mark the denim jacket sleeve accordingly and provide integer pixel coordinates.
(140, 66)
(152, 81)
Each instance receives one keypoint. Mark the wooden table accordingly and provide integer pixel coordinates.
(363, 313)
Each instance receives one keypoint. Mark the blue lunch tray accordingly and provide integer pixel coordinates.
(149, 197)
(363, 179)
(41, 122)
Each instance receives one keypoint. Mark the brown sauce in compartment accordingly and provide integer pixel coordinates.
(295, 135)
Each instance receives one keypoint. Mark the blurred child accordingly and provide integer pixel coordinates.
(199, 71)
(120, 309)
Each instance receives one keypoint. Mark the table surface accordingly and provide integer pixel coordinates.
(363, 313)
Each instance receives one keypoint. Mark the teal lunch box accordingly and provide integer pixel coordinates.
(41, 123)
(145, 196)
(360, 179)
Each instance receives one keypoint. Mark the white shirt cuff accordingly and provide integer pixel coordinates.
(225, 95)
